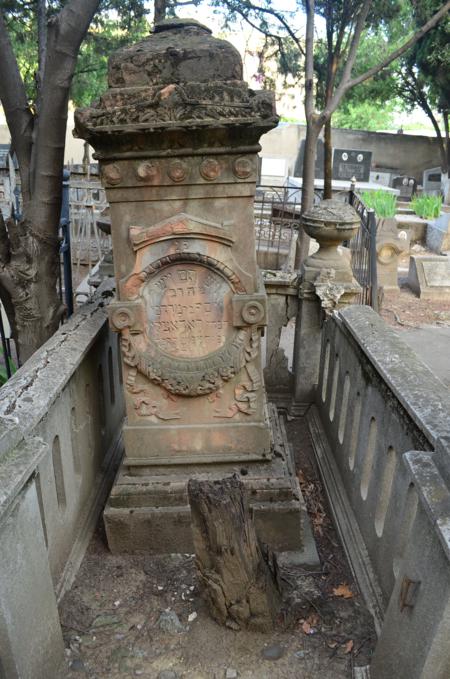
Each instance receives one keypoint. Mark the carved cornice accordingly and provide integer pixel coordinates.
(159, 108)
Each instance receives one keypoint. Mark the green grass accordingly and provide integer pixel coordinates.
(427, 207)
(383, 202)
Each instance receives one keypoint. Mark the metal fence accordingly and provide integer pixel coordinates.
(364, 252)
(89, 243)
(65, 279)
(277, 221)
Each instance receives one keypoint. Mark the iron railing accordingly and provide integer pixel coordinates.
(364, 252)
(277, 221)
(64, 249)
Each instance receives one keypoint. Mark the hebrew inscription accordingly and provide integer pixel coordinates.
(189, 310)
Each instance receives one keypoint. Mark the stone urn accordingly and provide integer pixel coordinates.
(330, 223)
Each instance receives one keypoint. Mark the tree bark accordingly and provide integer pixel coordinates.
(239, 585)
(160, 11)
(29, 251)
(327, 160)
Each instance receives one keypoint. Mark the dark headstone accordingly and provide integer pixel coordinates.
(348, 163)
(298, 169)
(406, 185)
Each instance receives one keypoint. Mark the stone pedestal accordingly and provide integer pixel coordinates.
(326, 284)
(177, 137)
(389, 248)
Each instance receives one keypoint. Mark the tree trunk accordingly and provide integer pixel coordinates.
(309, 172)
(160, 11)
(28, 280)
(239, 585)
(327, 160)
(29, 250)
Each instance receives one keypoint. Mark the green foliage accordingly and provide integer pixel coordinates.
(427, 206)
(383, 202)
(90, 78)
(117, 23)
(365, 115)
(3, 373)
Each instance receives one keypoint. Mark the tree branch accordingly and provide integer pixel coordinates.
(402, 49)
(15, 104)
(264, 10)
(309, 60)
(341, 89)
(65, 34)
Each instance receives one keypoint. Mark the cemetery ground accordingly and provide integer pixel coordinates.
(143, 615)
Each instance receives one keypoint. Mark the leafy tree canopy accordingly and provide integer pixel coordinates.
(117, 23)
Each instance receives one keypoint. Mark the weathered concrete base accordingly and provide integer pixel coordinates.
(150, 513)
(27, 650)
(282, 304)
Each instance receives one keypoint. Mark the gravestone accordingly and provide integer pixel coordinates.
(407, 186)
(429, 276)
(348, 163)
(298, 168)
(438, 233)
(177, 137)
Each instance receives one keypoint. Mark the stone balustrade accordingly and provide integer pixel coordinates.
(381, 428)
(60, 422)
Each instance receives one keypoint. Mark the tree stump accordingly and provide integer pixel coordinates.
(239, 585)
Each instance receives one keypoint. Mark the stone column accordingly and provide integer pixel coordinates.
(177, 135)
(326, 284)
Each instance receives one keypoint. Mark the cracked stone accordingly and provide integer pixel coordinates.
(169, 622)
(273, 652)
(77, 665)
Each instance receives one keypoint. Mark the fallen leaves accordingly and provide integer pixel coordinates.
(348, 647)
(309, 626)
(313, 498)
(343, 591)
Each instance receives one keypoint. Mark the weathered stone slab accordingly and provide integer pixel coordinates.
(438, 234)
(429, 277)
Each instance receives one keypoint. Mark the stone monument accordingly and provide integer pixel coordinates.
(176, 136)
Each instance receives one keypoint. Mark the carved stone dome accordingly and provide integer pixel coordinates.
(178, 78)
(178, 51)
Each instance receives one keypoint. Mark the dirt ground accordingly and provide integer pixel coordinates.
(403, 309)
(118, 619)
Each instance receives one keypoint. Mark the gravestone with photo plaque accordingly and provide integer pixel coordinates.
(177, 137)
(349, 163)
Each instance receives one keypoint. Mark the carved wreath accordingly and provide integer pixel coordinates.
(195, 376)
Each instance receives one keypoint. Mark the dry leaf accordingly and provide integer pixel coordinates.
(344, 591)
(348, 646)
(313, 619)
(306, 627)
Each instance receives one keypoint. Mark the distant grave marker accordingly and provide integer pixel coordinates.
(348, 163)
(298, 169)
(407, 186)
